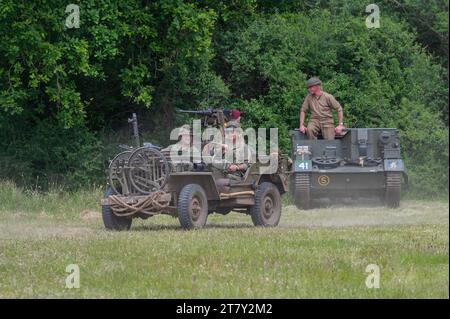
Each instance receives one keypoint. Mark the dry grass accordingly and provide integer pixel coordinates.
(318, 253)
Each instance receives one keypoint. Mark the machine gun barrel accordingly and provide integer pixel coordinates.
(207, 112)
(212, 116)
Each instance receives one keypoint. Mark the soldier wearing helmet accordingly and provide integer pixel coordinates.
(320, 104)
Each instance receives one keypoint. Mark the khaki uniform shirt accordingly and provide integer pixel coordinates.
(321, 107)
(242, 153)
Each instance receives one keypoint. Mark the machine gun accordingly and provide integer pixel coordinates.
(211, 117)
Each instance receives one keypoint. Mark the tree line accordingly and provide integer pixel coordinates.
(66, 92)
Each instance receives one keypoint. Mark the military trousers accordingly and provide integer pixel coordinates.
(316, 126)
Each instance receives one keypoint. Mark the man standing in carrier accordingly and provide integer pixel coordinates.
(321, 104)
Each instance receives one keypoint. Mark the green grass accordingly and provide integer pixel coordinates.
(312, 254)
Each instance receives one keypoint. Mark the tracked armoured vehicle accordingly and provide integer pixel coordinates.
(362, 162)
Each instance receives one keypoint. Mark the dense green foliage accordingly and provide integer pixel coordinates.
(65, 94)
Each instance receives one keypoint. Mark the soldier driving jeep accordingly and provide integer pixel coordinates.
(233, 161)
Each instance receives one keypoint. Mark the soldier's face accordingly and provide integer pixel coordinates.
(186, 139)
(315, 89)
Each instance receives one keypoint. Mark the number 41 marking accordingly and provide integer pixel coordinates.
(304, 165)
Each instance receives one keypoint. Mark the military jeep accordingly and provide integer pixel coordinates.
(144, 182)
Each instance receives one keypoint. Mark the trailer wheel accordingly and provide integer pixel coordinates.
(111, 220)
(267, 209)
(192, 207)
(393, 189)
(302, 184)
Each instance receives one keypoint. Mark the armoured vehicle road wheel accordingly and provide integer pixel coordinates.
(112, 221)
(302, 184)
(192, 207)
(267, 209)
(393, 189)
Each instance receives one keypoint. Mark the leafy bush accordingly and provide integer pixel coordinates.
(47, 154)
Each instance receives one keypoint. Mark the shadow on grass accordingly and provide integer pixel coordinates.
(229, 226)
(347, 202)
(156, 227)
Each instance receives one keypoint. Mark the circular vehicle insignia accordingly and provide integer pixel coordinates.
(323, 180)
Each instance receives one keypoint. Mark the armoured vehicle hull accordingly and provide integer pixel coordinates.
(362, 162)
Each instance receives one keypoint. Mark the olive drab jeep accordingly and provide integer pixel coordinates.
(144, 182)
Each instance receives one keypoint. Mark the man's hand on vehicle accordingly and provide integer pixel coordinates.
(339, 129)
(302, 129)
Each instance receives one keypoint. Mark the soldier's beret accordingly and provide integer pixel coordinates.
(235, 114)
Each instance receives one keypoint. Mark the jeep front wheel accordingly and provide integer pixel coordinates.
(192, 207)
(267, 209)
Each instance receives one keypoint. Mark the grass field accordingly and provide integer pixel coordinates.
(320, 253)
